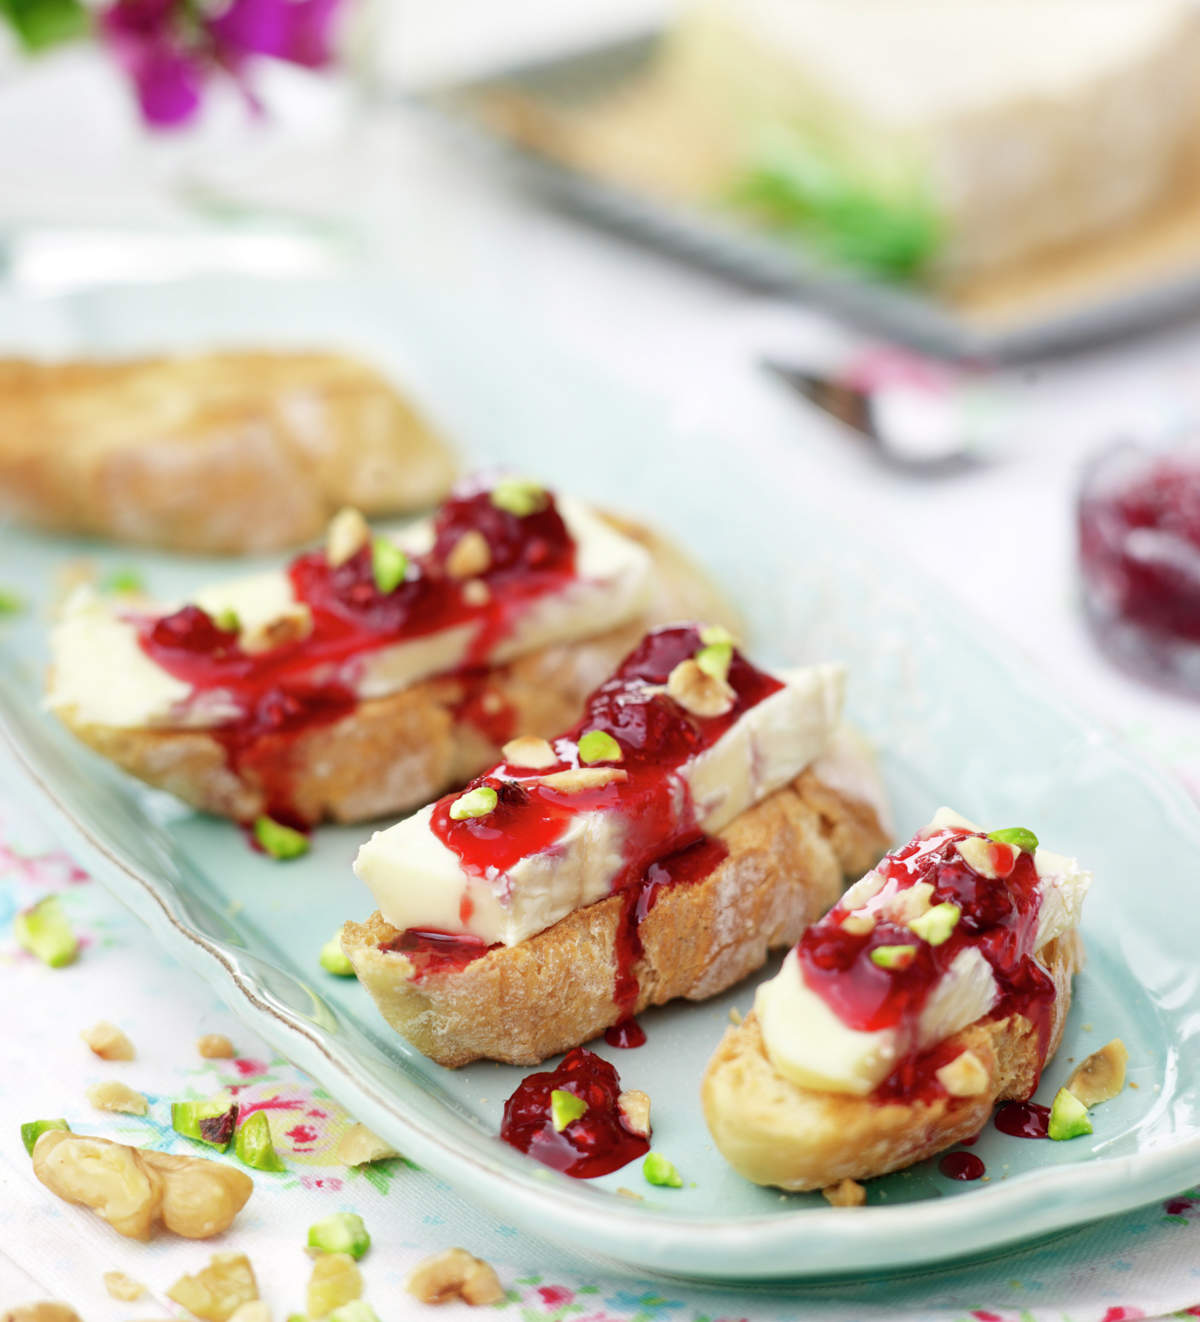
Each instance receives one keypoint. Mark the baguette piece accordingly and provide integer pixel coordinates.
(219, 452)
(774, 1132)
(788, 857)
(392, 754)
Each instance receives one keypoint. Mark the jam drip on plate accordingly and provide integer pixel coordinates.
(265, 697)
(998, 917)
(661, 843)
(1023, 1120)
(596, 1143)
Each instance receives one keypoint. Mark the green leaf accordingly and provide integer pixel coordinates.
(793, 190)
(43, 23)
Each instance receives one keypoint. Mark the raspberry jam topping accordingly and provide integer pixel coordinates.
(441, 952)
(1139, 554)
(308, 681)
(596, 1143)
(998, 917)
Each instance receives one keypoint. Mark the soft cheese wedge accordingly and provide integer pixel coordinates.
(937, 985)
(587, 822)
(656, 849)
(112, 666)
(373, 674)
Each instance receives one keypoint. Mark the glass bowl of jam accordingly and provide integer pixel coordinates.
(1139, 558)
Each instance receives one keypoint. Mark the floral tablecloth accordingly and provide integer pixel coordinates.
(1140, 1265)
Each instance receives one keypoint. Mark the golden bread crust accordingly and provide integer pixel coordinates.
(219, 452)
(774, 1132)
(788, 857)
(389, 755)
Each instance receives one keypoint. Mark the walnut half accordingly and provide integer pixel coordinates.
(134, 1189)
(217, 1291)
(455, 1274)
(1101, 1076)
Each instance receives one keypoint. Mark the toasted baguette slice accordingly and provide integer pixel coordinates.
(774, 1132)
(788, 857)
(220, 452)
(392, 754)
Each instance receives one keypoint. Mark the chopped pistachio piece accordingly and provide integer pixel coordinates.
(210, 1122)
(599, 746)
(32, 1130)
(253, 1144)
(1068, 1117)
(343, 1232)
(565, 1107)
(334, 958)
(11, 603)
(281, 842)
(716, 633)
(474, 803)
(389, 564)
(519, 496)
(228, 619)
(44, 931)
(122, 581)
(893, 957)
(1017, 836)
(357, 1310)
(658, 1170)
(936, 925)
(715, 660)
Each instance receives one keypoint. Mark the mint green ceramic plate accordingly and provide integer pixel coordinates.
(954, 721)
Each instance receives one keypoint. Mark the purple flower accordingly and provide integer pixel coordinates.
(169, 49)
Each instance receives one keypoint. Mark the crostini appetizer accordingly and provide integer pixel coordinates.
(375, 673)
(216, 452)
(699, 813)
(938, 986)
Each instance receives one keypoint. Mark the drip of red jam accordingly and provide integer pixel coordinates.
(626, 1034)
(962, 1166)
(437, 952)
(1139, 555)
(597, 1143)
(999, 918)
(276, 695)
(1023, 1120)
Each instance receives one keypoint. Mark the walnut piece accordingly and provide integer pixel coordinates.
(578, 779)
(359, 1147)
(44, 1310)
(858, 924)
(529, 751)
(1101, 1076)
(253, 1310)
(964, 1076)
(347, 534)
(108, 1042)
(292, 626)
(335, 1281)
(980, 854)
(634, 1106)
(475, 592)
(134, 1188)
(120, 1286)
(217, 1291)
(215, 1046)
(454, 1275)
(846, 1193)
(469, 556)
(699, 692)
(113, 1096)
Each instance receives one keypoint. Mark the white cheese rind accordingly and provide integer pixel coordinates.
(101, 674)
(808, 1043)
(419, 883)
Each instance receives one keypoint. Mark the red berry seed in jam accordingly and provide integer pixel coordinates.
(597, 1143)
(1139, 556)
(999, 918)
(304, 684)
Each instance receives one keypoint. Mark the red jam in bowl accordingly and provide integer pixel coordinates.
(1139, 558)
(596, 1143)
